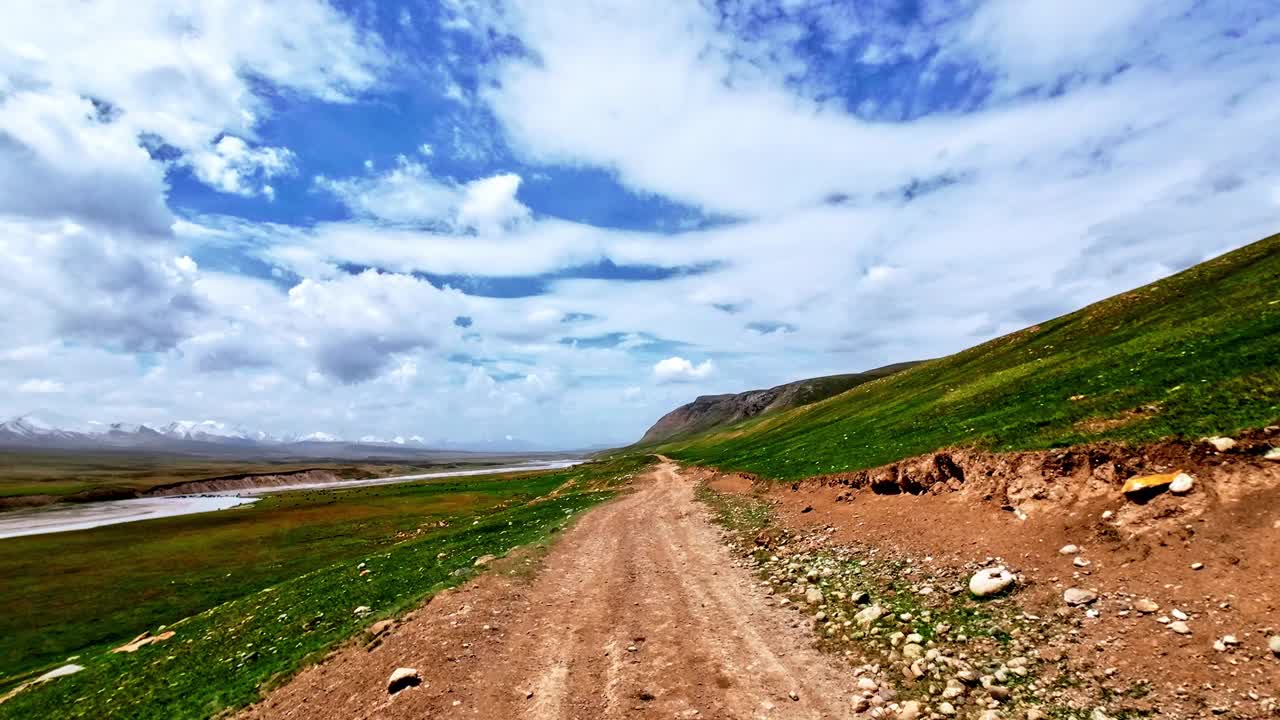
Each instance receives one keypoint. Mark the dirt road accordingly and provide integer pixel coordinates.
(639, 611)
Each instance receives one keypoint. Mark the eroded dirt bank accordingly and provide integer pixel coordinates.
(639, 611)
(1209, 559)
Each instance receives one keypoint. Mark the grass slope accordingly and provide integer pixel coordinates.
(223, 654)
(1194, 354)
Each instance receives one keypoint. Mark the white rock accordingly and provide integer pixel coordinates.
(362, 610)
(910, 710)
(946, 708)
(1197, 566)
(403, 678)
(1078, 596)
(868, 683)
(1272, 454)
(1274, 644)
(1182, 484)
(813, 596)
(1069, 550)
(1145, 606)
(868, 615)
(1108, 514)
(1180, 627)
(1081, 562)
(912, 651)
(1179, 615)
(1230, 640)
(1221, 444)
(990, 581)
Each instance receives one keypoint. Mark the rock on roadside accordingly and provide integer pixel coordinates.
(1078, 596)
(403, 678)
(990, 581)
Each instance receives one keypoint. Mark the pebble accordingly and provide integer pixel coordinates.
(1179, 615)
(1069, 550)
(1197, 566)
(1274, 644)
(1080, 562)
(793, 695)
(813, 596)
(1272, 454)
(1180, 627)
(1079, 596)
(990, 581)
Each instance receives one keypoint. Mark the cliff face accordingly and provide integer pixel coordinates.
(712, 411)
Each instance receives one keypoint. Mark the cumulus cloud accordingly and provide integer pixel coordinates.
(231, 166)
(677, 369)
(490, 204)
(410, 194)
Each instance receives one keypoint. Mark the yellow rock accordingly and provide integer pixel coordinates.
(1146, 482)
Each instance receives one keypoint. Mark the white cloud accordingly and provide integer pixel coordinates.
(410, 194)
(1033, 41)
(231, 166)
(75, 131)
(41, 386)
(490, 205)
(407, 193)
(678, 369)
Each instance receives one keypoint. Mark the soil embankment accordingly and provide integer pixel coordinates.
(249, 481)
(1058, 519)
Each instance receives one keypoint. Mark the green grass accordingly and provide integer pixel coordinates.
(1191, 355)
(253, 594)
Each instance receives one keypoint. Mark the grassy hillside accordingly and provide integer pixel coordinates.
(1194, 354)
(254, 593)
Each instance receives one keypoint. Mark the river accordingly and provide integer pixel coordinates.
(82, 516)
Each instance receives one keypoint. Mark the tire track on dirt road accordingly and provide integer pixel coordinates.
(639, 611)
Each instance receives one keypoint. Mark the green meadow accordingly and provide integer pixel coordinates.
(255, 592)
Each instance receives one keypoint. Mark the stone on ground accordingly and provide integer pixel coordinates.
(990, 581)
(403, 678)
(1079, 596)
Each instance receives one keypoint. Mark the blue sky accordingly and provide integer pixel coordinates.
(469, 221)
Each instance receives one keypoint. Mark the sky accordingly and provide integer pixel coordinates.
(555, 221)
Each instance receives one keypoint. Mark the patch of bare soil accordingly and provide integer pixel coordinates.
(1210, 558)
(640, 610)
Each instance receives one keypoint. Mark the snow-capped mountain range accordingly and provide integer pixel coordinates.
(45, 428)
(52, 430)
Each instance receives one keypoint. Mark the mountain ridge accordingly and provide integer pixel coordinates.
(709, 412)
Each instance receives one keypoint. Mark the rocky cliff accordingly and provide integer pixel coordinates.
(712, 411)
